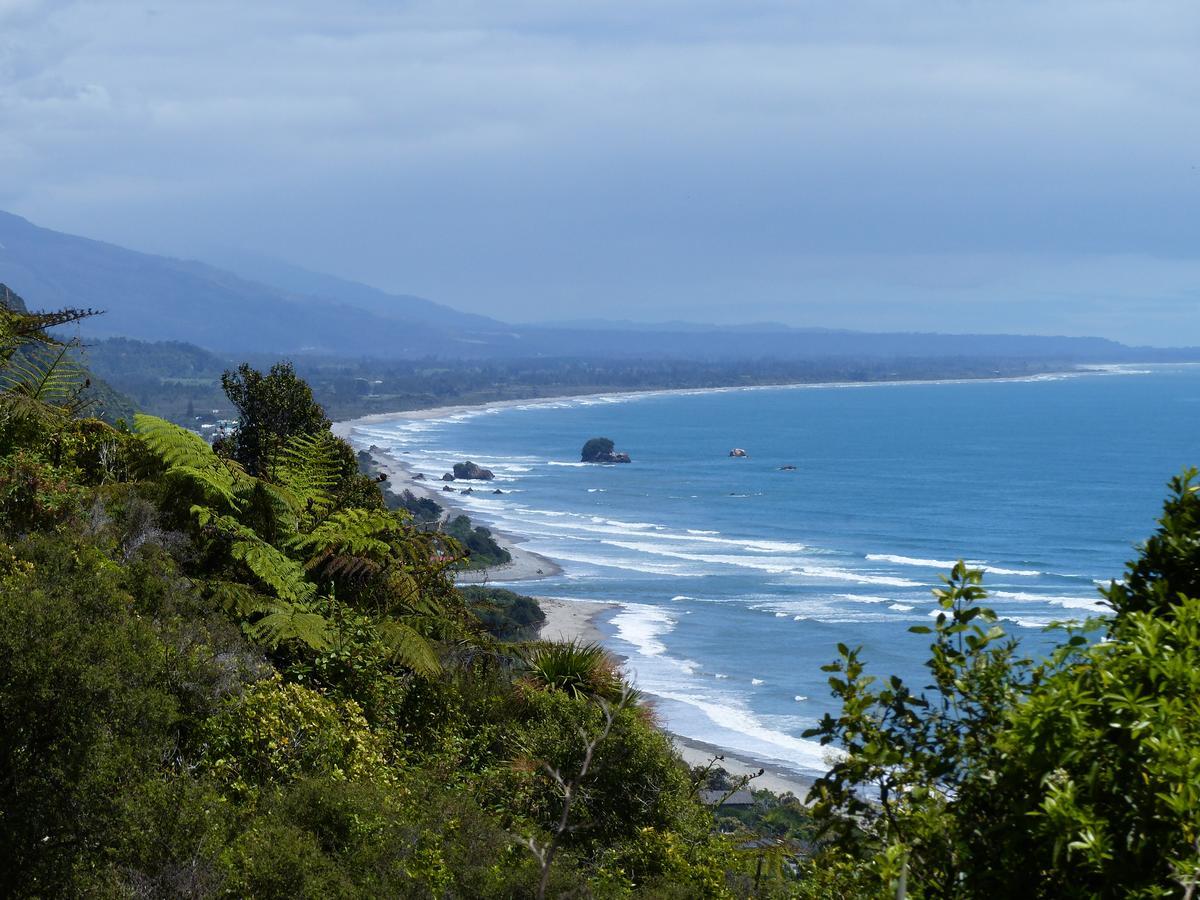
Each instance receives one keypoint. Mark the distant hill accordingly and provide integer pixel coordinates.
(277, 308)
(332, 289)
(158, 298)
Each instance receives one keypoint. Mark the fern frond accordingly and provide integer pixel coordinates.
(409, 647)
(306, 471)
(283, 574)
(239, 599)
(347, 568)
(349, 532)
(22, 329)
(292, 622)
(186, 455)
(42, 386)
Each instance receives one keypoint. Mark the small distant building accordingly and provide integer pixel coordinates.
(739, 799)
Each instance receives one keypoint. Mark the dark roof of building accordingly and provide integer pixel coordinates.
(740, 797)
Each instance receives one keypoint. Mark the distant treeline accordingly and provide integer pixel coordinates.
(180, 382)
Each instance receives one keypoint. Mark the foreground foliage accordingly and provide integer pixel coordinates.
(1073, 776)
(234, 672)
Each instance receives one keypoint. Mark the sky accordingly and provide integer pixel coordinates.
(960, 166)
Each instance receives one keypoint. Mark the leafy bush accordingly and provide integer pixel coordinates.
(1076, 776)
(578, 669)
(506, 615)
(278, 732)
(481, 547)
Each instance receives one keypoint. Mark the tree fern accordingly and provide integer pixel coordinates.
(306, 471)
(186, 455)
(42, 386)
(240, 600)
(293, 622)
(283, 574)
(409, 647)
(349, 532)
(20, 328)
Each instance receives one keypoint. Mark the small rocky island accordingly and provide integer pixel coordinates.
(738, 452)
(468, 471)
(600, 450)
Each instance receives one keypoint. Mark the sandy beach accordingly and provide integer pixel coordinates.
(775, 778)
(343, 429)
(572, 620)
(578, 620)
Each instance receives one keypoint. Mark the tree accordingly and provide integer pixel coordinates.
(1073, 776)
(271, 409)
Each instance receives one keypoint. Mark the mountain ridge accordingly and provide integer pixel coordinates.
(158, 298)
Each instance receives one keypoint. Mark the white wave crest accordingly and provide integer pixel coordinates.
(643, 626)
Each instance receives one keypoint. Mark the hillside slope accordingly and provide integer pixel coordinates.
(158, 298)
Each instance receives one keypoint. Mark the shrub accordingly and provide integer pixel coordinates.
(576, 668)
(276, 732)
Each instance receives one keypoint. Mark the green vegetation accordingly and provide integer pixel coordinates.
(480, 550)
(506, 615)
(1072, 776)
(233, 671)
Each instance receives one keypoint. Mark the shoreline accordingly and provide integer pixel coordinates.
(579, 620)
(344, 427)
(774, 778)
(573, 620)
(525, 565)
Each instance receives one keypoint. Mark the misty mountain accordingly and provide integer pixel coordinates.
(158, 298)
(276, 308)
(332, 289)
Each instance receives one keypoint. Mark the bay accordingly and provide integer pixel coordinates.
(736, 578)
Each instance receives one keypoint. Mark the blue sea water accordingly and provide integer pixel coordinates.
(736, 579)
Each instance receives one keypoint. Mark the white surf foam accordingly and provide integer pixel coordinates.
(947, 564)
(756, 737)
(643, 626)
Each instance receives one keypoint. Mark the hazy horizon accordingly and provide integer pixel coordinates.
(1025, 168)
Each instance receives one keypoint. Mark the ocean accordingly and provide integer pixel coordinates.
(736, 578)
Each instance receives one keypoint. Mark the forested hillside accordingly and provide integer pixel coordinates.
(233, 672)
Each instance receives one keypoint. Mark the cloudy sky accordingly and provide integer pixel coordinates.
(883, 164)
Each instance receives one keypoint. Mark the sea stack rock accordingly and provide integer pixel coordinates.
(738, 452)
(468, 471)
(447, 477)
(420, 476)
(600, 450)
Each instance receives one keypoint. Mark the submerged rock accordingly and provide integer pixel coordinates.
(738, 452)
(447, 477)
(420, 476)
(787, 468)
(448, 488)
